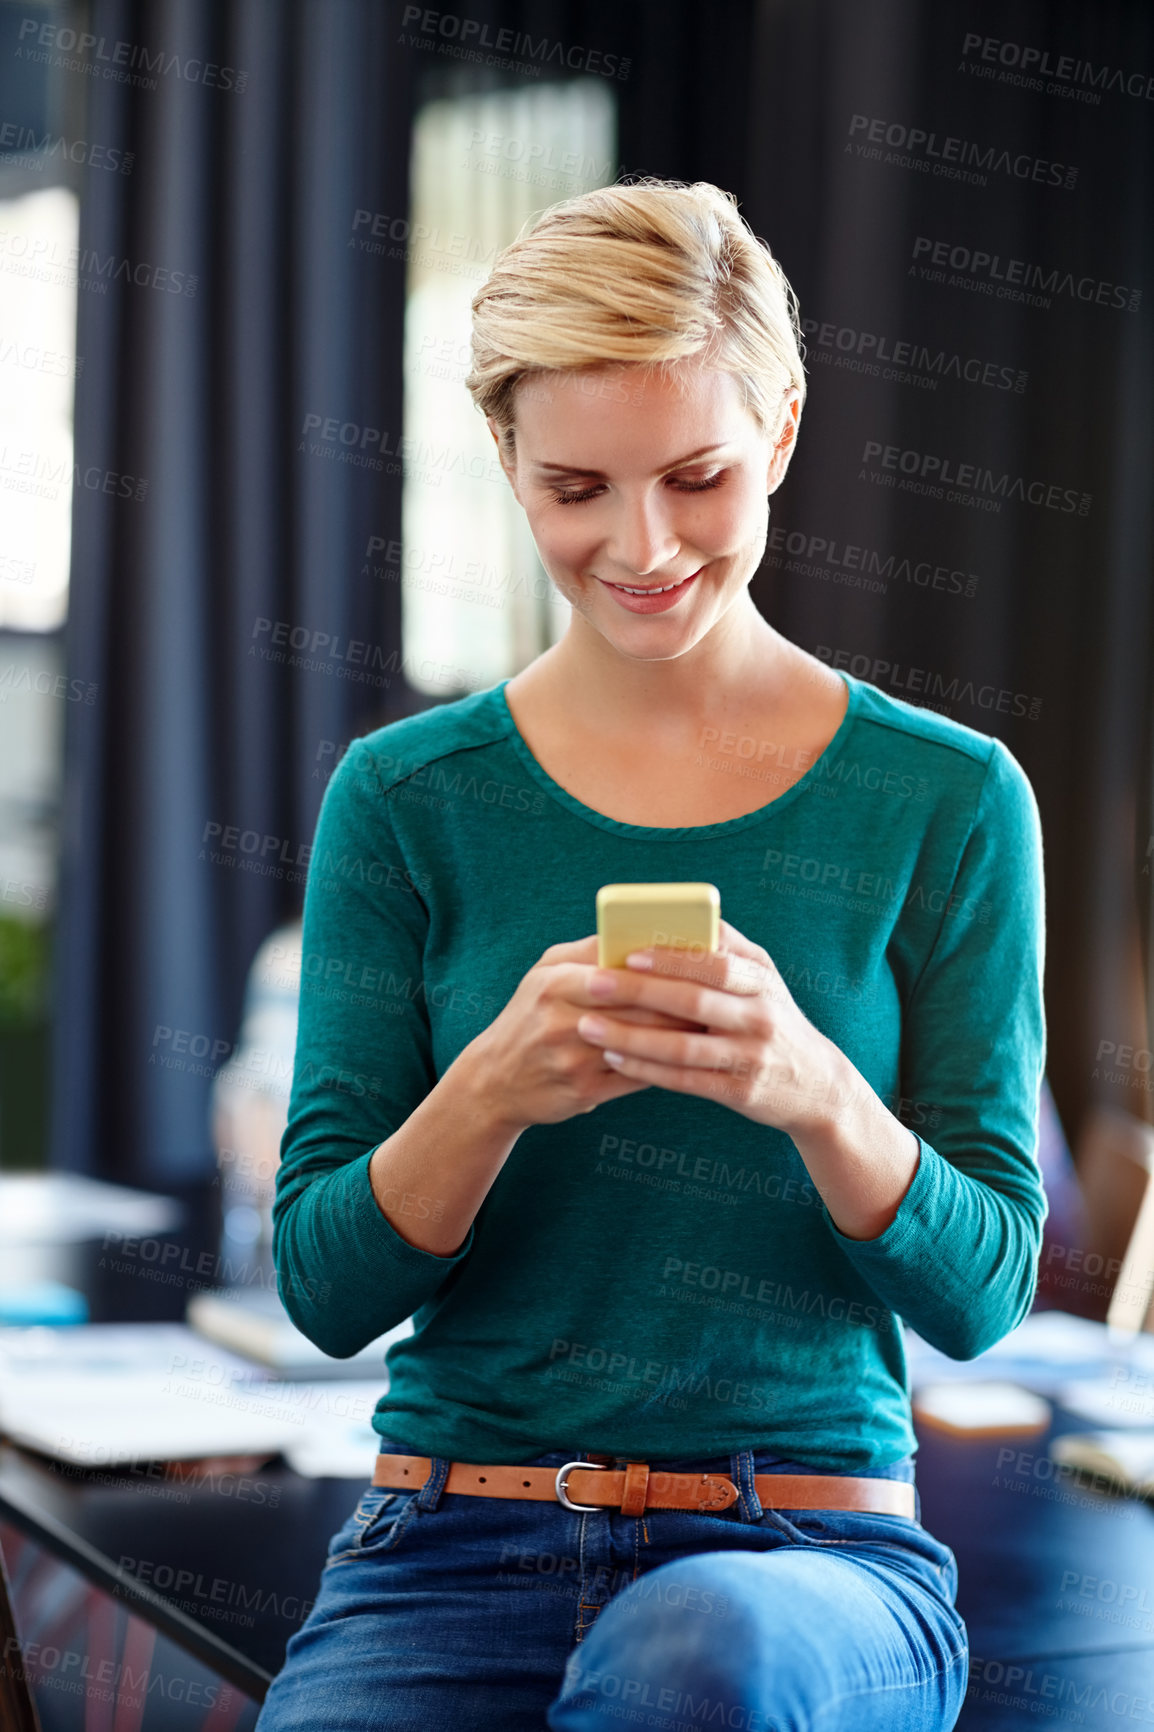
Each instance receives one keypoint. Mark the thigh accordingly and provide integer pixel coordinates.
(422, 1620)
(852, 1630)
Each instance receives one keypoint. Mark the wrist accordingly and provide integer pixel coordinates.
(487, 1097)
(823, 1103)
(861, 1157)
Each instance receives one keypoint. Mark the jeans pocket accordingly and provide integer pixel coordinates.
(899, 1538)
(853, 1526)
(377, 1524)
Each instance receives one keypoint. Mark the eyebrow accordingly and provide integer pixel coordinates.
(599, 474)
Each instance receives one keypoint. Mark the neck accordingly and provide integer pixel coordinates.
(604, 691)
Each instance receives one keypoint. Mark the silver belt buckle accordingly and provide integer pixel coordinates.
(563, 1477)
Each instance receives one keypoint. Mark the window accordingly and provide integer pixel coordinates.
(38, 366)
(477, 605)
(42, 107)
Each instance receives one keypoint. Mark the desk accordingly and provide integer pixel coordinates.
(227, 1572)
(1055, 1580)
(1048, 1571)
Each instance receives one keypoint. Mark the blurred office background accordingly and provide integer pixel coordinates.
(250, 512)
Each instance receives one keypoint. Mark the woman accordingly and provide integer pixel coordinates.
(664, 1220)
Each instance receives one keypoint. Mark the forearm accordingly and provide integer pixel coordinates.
(862, 1160)
(431, 1176)
(958, 1262)
(360, 1244)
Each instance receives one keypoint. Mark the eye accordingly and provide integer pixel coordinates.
(563, 498)
(700, 486)
(573, 498)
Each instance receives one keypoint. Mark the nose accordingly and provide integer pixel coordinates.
(641, 539)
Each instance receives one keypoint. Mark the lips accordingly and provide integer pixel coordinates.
(655, 599)
(645, 589)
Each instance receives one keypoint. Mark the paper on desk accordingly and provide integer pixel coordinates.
(113, 1394)
(981, 1409)
(1127, 1456)
(336, 1454)
(46, 1353)
(1124, 1399)
(66, 1208)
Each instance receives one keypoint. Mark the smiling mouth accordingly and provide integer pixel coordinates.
(647, 589)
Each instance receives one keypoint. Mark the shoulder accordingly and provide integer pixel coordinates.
(957, 752)
(390, 754)
(955, 760)
(928, 733)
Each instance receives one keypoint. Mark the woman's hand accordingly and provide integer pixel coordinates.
(757, 1053)
(754, 1050)
(723, 1026)
(537, 1069)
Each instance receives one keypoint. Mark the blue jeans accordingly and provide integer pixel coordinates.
(439, 1612)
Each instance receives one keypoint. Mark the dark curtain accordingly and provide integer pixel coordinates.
(1061, 615)
(191, 789)
(206, 397)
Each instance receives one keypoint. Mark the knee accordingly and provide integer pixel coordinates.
(688, 1626)
(694, 1601)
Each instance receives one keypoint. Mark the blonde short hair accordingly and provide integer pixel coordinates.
(650, 272)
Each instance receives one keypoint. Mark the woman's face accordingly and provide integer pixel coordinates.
(630, 482)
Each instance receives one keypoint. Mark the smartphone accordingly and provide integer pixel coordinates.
(685, 916)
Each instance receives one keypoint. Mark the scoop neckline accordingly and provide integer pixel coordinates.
(654, 832)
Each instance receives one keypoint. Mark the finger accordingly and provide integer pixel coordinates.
(681, 1079)
(757, 953)
(640, 1013)
(670, 1048)
(628, 1085)
(717, 989)
(723, 969)
(576, 964)
(570, 979)
(573, 950)
(735, 966)
(571, 982)
(729, 1090)
(732, 939)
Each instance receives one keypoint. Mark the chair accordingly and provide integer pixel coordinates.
(1115, 1159)
(17, 1709)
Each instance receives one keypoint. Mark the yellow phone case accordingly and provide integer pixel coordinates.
(634, 916)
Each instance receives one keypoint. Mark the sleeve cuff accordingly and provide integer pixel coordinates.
(913, 1216)
(378, 1234)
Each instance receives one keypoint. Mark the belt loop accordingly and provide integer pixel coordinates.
(741, 1470)
(429, 1495)
(634, 1488)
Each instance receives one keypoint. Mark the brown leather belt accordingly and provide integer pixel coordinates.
(587, 1485)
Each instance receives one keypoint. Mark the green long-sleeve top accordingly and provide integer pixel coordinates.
(659, 1277)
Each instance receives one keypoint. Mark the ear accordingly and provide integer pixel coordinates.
(509, 468)
(783, 450)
